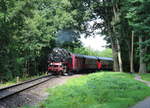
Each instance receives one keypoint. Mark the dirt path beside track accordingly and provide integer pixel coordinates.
(146, 102)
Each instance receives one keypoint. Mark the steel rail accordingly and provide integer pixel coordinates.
(11, 90)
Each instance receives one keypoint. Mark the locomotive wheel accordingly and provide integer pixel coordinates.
(61, 73)
(65, 74)
(65, 71)
(70, 73)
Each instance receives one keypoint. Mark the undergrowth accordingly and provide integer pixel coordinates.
(145, 76)
(98, 90)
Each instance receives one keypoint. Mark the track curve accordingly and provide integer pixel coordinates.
(14, 89)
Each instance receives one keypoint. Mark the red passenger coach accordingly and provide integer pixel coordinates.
(106, 63)
(84, 62)
(77, 62)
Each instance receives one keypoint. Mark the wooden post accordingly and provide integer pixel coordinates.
(17, 79)
(1, 82)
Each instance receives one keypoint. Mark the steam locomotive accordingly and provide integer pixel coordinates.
(61, 61)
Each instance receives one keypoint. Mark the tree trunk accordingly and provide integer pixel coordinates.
(118, 50)
(115, 58)
(26, 69)
(131, 56)
(116, 19)
(142, 68)
(119, 56)
(112, 36)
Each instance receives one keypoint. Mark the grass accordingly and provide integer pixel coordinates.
(145, 76)
(14, 81)
(98, 90)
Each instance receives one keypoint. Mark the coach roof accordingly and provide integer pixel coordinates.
(94, 57)
(105, 58)
(85, 56)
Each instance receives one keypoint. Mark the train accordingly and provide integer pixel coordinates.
(63, 62)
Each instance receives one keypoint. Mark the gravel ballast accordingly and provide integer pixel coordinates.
(34, 95)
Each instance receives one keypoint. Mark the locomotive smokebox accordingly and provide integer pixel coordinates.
(59, 55)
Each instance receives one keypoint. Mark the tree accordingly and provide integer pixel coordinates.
(27, 31)
(137, 12)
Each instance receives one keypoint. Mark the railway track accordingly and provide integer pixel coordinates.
(14, 89)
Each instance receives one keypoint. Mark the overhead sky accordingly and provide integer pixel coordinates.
(96, 43)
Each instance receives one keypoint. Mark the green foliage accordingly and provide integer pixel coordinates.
(145, 76)
(137, 13)
(106, 53)
(89, 51)
(27, 33)
(98, 90)
(10, 22)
